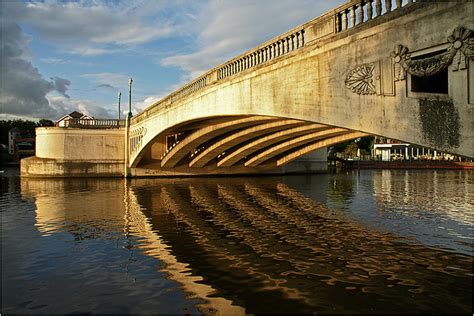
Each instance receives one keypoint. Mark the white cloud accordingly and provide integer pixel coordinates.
(146, 102)
(96, 27)
(63, 106)
(226, 28)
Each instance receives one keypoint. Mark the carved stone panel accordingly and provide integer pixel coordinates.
(360, 80)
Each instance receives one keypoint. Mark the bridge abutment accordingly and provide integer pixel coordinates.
(76, 152)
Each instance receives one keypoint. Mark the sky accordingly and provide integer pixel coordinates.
(64, 56)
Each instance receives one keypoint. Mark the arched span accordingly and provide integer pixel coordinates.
(244, 143)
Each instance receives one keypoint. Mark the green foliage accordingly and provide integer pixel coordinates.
(349, 148)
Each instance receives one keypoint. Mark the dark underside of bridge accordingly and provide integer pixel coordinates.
(237, 145)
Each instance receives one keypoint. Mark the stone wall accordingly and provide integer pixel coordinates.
(64, 152)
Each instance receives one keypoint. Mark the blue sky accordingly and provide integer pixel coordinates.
(60, 56)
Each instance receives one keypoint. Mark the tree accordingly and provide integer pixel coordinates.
(44, 123)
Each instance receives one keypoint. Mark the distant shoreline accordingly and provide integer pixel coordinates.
(356, 164)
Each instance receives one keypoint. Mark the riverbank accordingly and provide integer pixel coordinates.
(423, 164)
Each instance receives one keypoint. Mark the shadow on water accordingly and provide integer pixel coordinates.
(302, 244)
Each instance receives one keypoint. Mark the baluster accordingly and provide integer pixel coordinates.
(302, 38)
(399, 3)
(378, 7)
(343, 21)
(293, 44)
(369, 9)
(388, 6)
(360, 13)
(352, 16)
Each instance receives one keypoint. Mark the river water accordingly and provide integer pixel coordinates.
(360, 242)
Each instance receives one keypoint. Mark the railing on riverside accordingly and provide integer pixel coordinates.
(343, 18)
(92, 123)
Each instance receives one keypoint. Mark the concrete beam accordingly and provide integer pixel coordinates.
(235, 139)
(291, 144)
(317, 145)
(248, 149)
(203, 135)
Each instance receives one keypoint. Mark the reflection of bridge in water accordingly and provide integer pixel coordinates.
(254, 242)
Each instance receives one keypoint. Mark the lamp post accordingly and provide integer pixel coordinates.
(119, 96)
(130, 81)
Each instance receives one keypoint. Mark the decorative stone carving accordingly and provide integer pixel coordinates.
(462, 47)
(463, 44)
(400, 56)
(360, 79)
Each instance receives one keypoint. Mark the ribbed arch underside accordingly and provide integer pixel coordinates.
(246, 143)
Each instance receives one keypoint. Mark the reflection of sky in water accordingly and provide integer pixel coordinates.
(435, 208)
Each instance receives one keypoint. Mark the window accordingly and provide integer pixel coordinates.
(437, 83)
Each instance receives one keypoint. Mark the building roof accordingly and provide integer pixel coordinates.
(76, 115)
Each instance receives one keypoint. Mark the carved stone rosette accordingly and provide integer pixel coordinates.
(462, 47)
(360, 79)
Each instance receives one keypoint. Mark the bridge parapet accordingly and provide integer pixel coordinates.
(345, 17)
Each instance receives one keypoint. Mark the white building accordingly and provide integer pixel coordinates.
(64, 121)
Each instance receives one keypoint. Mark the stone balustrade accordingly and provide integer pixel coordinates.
(281, 46)
(343, 18)
(94, 123)
(357, 12)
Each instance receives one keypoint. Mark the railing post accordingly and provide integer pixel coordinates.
(399, 3)
(378, 7)
(352, 16)
(343, 20)
(369, 10)
(388, 6)
(360, 13)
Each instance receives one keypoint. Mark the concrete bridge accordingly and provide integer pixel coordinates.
(402, 70)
